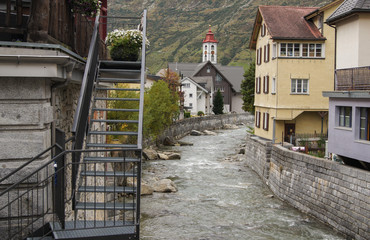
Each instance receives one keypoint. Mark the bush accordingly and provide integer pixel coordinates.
(200, 113)
(186, 114)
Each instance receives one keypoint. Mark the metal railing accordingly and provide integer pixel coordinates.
(37, 203)
(352, 79)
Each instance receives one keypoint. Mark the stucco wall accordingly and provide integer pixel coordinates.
(335, 194)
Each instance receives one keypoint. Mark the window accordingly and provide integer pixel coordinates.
(266, 84)
(190, 95)
(258, 85)
(208, 69)
(266, 121)
(190, 104)
(345, 117)
(186, 85)
(301, 50)
(218, 78)
(274, 47)
(266, 56)
(299, 86)
(273, 86)
(258, 119)
(212, 58)
(212, 48)
(259, 56)
(263, 30)
(365, 124)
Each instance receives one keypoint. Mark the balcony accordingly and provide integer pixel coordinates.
(352, 79)
(22, 21)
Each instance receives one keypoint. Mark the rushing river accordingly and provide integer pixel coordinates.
(219, 198)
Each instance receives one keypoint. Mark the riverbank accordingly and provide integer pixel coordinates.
(336, 194)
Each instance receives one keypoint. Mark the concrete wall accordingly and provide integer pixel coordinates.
(335, 194)
(183, 127)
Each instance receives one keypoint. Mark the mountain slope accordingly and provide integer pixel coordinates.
(176, 28)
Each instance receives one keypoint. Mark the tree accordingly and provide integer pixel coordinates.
(173, 81)
(247, 88)
(218, 103)
(160, 109)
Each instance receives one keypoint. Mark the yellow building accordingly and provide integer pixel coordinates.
(295, 53)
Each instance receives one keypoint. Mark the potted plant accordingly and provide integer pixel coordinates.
(124, 45)
(88, 8)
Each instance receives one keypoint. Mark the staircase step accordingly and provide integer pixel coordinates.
(105, 206)
(118, 89)
(120, 65)
(119, 70)
(106, 145)
(107, 189)
(108, 174)
(115, 110)
(114, 121)
(114, 133)
(118, 80)
(117, 99)
(111, 159)
(94, 230)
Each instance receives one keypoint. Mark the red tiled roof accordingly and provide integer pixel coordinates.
(286, 22)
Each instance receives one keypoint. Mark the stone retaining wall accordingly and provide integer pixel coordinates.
(183, 127)
(333, 193)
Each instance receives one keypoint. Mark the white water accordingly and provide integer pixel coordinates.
(219, 200)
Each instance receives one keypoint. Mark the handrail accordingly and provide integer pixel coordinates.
(142, 83)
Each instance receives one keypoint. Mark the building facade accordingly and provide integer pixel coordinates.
(294, 64)
(349, 104)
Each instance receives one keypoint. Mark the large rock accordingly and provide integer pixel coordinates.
(174, 156)
(195, 133)
(163, 156)
(146, 189)
(206, 132)
(150, 154)
(181, 143)
(230, 126)
(164, 185)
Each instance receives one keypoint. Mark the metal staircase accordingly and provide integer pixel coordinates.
(104, 170)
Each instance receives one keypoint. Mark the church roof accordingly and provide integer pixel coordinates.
(233, 74)
(210, 37)
(347, 8)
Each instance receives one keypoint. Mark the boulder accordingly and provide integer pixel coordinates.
(181, 143)
(164, 185)
(242, 151)
(146, 189)
(174, 156)
(196, 133)
(206, 132)
(163, 156)
(150, 154)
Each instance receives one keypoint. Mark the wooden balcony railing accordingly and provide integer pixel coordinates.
(25, 20)
(352, 79)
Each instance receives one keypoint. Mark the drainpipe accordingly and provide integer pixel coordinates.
(67, 72)
(273, 130)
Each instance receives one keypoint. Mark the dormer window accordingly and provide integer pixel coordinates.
(208, 70)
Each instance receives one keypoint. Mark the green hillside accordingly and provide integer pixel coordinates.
(176, 28)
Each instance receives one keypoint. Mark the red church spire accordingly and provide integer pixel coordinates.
(210, 37)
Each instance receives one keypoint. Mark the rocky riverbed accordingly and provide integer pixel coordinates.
(213, 195)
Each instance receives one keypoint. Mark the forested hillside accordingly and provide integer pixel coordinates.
(176, 28)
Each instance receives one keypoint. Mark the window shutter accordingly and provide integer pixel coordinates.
(264, 53)
(258, 118)
(267, 121)
(263, 123)
(268, 52)
(267, 83)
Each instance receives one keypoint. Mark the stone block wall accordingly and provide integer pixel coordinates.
(336, 194)
(183, 127)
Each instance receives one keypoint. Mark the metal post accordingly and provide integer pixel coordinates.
(59, 189)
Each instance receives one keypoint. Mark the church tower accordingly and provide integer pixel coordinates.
(210, 47)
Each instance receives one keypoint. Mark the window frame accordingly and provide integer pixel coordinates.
(266, 84)
(263, 30)
(258, 119)
(273, 86)
(301, 50)
(343, 116)
(301, 83)
(258, 85)
(364, 116)
(266, 117)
